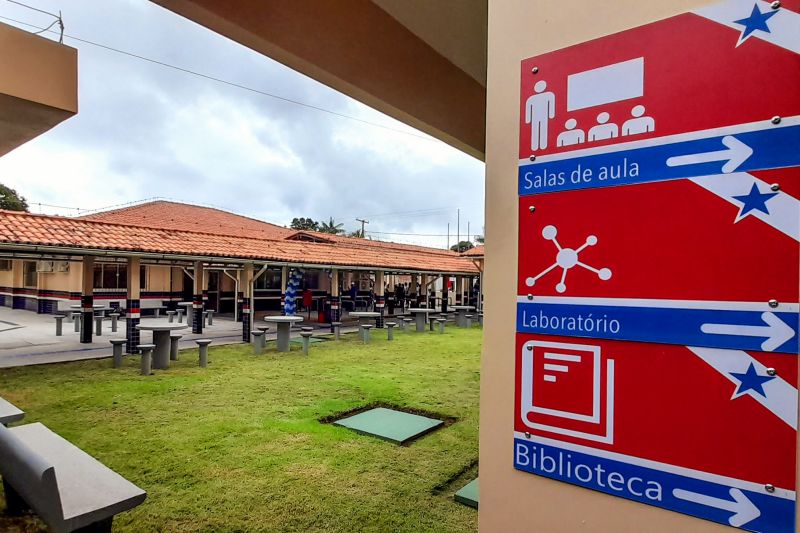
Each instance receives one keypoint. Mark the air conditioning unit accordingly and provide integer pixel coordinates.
(62, 266)
(44, 266)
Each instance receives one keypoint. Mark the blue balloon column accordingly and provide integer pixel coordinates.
(293, 291)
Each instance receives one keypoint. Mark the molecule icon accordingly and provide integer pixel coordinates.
(567, 258)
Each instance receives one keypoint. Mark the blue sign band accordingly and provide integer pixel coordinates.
(712, 328)
(771, 148)
(742, 508)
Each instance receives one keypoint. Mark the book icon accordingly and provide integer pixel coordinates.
(567, 389)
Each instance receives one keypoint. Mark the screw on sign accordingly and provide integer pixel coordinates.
(657, 285)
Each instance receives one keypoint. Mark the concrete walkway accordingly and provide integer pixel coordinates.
(27, 338)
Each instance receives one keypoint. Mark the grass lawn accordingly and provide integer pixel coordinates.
(238, 446)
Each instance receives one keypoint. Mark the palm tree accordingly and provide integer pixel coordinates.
(331, 227)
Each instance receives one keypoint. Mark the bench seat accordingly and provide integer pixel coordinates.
(10, 413)
(66, 487)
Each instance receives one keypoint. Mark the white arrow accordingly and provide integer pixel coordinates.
(742, 508)
(776, 331)
(736, 153)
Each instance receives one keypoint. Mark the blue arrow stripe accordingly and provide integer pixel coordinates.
(648, 485)
(648, 324)
(775, 147)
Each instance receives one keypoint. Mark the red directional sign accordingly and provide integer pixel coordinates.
(658, 302)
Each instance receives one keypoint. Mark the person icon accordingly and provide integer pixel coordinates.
(570, 136)
(638, 124)
(539, 109)
(603, 130)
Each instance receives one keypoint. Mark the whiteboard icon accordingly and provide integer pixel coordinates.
(607, 84)
(562, 381)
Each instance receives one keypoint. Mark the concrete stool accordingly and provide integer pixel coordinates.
(390, 331)
(468, 321)
(441, 322)
(174, 342)
(76, 320)
(114, 318)
(98, 325)
(171, 316)
(203, 345)
(156, 312)
(116, 347)
(180, 316)
(59, 324)
(258, 342)
(147, 358)
(306, 328)
(365, 332)
(480, 319)
(306, 340)
(401, 323)
(209, 317)
(431, 320)
(337, 329)
(408, 322)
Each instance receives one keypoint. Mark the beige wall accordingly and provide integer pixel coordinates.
(511, 500)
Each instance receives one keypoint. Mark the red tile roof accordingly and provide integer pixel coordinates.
(18, 228)
(477, 251)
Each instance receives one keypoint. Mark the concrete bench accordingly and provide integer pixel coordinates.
(407, 323)
(114, 319)
(306, 340)
(441, 322)
(171, 316)
(147, 358)
(365, 332)
(174, 346)
(258, 342)
(203, 345)
(116, 351)
(337, 329)
(390, 331)
(59, 324)
(468, 321)
(67, 488)
(9, 412)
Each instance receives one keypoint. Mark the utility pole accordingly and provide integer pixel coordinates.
(458, 231)
(469, 237)
(363, 234)
(448, 235)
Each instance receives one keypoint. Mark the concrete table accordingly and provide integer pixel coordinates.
(189, 311)
(421, 316)
(9, 412)
(99, 309)
(462, 313)
(161, 330)
(284, 324)
(363, 319)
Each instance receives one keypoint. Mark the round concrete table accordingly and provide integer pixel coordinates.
(284, 324)
(189, 311)
(363, 318)
(461, 317)
(161, 331)
(421, 316)
(98, 308)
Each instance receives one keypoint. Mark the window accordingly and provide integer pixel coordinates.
(110, 276)
(5, 264)
(271, 279)
(311, 279)
(29, 278)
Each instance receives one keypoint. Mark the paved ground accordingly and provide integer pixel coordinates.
(27, 338)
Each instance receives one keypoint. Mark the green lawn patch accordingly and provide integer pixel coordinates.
(239, 446)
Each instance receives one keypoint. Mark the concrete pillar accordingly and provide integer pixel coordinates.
(413, 288)
(246, 286)
(239, 295)
(459, 291)
(445, 292)
(197, 298)
(423, 291)
(87, 299)
(380, 297)
(336, 297)
(284, 282)
(133, 306)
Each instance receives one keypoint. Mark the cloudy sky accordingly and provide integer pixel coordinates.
(147, 131)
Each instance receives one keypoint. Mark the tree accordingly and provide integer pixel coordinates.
(357, 233)
(308, 224)
(9, 199)
(462, 247)
(331, 227)
(480, 239)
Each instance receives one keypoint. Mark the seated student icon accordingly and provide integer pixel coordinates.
(571, 136)
(603, 130)
(638, 124)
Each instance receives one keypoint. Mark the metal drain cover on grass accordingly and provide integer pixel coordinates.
(468, 495)
(391, 425)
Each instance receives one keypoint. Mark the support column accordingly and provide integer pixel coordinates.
(284, 283)
(246, 286)
(87, 299)
(459, 290)
(133, 306)
(197, 298)
(445, 291)
(413, 288)
(336, 298)
(239, 294)
(380, 297)
(423, 291)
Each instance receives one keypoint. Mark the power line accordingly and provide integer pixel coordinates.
(226, 82)
(58, 20)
